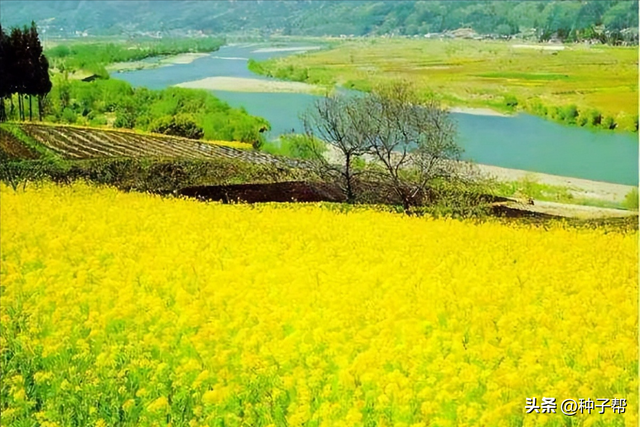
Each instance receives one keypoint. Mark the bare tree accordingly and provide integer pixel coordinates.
(411, 141)
(340, 122)
(414, 140)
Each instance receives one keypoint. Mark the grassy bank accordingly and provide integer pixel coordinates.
(529, 188)
(95, 56)
(594, 86)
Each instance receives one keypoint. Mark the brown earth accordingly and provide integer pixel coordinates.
(260, 193)
(297, 191)
(11, 148)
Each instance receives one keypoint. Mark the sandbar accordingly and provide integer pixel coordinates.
(240, 84)
(285, 49)
(477, 111)
(163, 61)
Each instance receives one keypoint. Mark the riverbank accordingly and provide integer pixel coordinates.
(580, 190)
(578, 187)
(165, 61)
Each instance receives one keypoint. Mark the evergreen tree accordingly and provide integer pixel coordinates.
(19, 65)
(24, 70)
(4, 73)
(39, 83)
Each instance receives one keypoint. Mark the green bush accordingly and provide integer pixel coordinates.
(125, 118)
(303, 146)
(99, 120)
(180, 125)
(627, 122)
(594, 117)
(538, 109)
(608, 123)
(297, 146)
(510, 101)
(631, 199)
(68, 116)
(568, 114)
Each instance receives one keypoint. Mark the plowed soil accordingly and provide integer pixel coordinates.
(260, 193)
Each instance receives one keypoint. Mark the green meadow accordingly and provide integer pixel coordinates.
(585, 85)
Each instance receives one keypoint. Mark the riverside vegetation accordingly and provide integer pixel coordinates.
(594, 86)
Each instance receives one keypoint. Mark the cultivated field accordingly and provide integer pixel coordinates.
(87, 143)
(134, 310)
(467, 73)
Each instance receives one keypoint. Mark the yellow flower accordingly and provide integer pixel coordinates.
(344, 317)
(159, 404)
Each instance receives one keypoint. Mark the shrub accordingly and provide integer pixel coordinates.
(631, 199)
(180, 125)
(582, 120)
(303, 146)
(538, 109)
(608, 123)
(594, 117)
(99, 120)
(296, 146)
(627, 122)
(568, 114)
(510, 101)
(69, 116)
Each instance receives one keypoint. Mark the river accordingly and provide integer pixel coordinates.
(522, 141)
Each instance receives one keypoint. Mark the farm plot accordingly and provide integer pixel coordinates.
(80, 143)
(129, 309)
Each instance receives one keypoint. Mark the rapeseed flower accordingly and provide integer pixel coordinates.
(132, 309)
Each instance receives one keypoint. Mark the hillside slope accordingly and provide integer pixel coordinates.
(304, 17)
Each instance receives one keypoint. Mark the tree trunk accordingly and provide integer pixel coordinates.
(3, 114)
(12, 106)
(40, 107)
(20, 110)
(348, 178)
(30, 109)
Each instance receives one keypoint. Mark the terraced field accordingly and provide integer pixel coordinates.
(75, 143)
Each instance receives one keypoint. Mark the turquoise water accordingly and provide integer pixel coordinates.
(520, 142)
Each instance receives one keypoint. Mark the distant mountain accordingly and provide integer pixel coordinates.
(317, 18)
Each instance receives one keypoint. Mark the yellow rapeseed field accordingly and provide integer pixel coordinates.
(129, 309)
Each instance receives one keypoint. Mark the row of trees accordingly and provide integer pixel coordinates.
(24, 70)
(410, 143)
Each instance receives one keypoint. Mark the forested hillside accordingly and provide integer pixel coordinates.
(612, 21)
